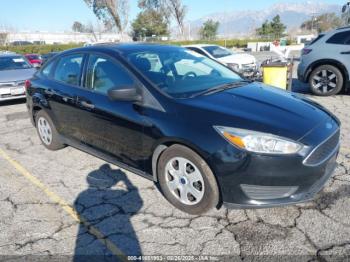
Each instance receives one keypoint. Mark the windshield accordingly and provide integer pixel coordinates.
(217, 51)
(181, 73)
(13, 63)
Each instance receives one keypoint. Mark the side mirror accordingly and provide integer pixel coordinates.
(124, 93)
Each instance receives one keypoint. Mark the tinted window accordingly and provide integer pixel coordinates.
(46, 71)
(180, 72)
(316, 39)
(103, 74)
(342, 38)
(68, 69)
(13, 63)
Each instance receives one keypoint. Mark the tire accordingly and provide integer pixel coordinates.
(47, 132)
(197, 179)
(326, 80)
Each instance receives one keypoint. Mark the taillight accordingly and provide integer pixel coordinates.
(306, 51)
(27, 84)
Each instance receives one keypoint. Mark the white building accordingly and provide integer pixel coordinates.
(65, 38)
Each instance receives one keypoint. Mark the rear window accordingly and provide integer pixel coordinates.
(13, 63)
(342, 38)
(316, 39)
(33, 57)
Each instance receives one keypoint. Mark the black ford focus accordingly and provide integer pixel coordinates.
(207, 136)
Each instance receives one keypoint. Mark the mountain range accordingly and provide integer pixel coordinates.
(242, 23)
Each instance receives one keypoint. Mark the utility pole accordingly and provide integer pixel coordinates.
(346, 13)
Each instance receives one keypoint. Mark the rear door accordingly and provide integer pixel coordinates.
(61, 92)
(113, 127)
(338, 46)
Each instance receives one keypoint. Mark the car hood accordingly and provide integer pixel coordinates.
(238, 59)
(260, 108)
(16, 75)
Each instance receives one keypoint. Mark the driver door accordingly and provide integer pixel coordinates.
(113, 127)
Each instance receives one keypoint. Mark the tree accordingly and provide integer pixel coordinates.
(274, 29)
(3, 38)
(178, 11)
(78, 27)
(149, 23)
(116, 11)
(169, 9)
(209, 30)
(278, 27)
(265, 29)
(322, 23)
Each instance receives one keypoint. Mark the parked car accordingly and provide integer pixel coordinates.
(186, 122)
(48, 56)
(34, 59)
(14, 70)
(242, 63)
(325, 63)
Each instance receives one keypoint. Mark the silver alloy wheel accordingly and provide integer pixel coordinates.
(45, 131)
(184, 180)
(325, 81)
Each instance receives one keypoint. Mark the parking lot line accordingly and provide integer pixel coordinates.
(64, 205)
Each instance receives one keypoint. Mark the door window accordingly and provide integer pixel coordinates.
(68, 69)
(342, 38)
(103, 75)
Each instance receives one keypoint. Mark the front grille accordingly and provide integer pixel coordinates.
(323, 151)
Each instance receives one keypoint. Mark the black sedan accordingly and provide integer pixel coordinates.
(207, 136)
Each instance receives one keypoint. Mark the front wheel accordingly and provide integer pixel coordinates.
(326, 80)
(187, 181)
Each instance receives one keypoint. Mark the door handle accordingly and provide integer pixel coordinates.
(87, 105)
(345, 53)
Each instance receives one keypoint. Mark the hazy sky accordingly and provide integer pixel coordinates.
(58, 15)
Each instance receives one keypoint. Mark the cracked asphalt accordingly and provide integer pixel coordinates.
(129, 212)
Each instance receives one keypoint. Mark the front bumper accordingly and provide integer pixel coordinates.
(297, 194)
(261, 181)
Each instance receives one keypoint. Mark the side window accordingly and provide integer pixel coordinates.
(68, 69)
(103, 74)
(46, 71)
(342, 38)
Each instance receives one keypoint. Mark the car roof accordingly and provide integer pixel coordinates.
(10, 55)
(125, 48)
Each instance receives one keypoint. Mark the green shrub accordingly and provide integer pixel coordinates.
(39, 49)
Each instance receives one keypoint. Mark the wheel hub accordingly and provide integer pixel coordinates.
(184, 181)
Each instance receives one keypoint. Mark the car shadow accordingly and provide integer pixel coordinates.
(300, 87)
(13, 102)
(106, 209)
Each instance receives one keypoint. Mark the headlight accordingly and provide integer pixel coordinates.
(234, 67)
(258, 142)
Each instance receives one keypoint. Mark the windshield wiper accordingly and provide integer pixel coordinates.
(221, 88)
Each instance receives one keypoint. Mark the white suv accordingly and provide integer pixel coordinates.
(325, 63)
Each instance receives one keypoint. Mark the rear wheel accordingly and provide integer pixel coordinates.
(326, 80)
(47, 131)
(187, 181)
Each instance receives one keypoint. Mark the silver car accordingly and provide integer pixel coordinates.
(14, 71)
(325, 63)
